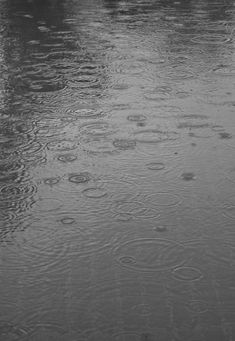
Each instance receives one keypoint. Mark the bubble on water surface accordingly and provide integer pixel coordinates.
(150, 254)
(79, 178)
(187, 273)
(124, 144)
(67, 158)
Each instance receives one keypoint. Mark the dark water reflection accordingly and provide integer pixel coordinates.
(117, 206)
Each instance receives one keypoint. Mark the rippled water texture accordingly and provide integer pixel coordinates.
(117, 173)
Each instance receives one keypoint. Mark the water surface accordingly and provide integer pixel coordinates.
(117, 172)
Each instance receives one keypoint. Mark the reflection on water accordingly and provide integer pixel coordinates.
(116, 170)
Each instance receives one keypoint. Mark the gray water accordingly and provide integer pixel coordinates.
(117, 172)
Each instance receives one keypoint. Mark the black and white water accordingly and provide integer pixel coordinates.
(117, 171)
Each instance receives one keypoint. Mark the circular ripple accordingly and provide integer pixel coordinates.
(31, 149)
(95, 192)
(67, 221)
(62, 145)
(124, 144)
(124, 217)
(137, 118)
(46, 85)
(197, 307)
(143, 309)
(187, 273)
(230, 174)
(126, 207)
(79, 178)
(209, 39)
(134, 208)
(67, 158)
(229, 211)
(48, 204)
(154, 136)
(86, 113)
(157, 96)
(164, 199)
(155, 166)
(51, 181)
(100, 147)
(151, 254)
(190, 125)
(96, 129)
(177, 74)
(205, 133)
(46, 332)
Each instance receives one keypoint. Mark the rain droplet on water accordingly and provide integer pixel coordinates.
(79, 178)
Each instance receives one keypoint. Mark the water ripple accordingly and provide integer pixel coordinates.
(62, 145)
(151, 254)
(17, 191)
(155, 136)
(187, 274)
(124, 144)
(210, 39)
(65, 158)
(96, 129)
